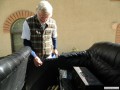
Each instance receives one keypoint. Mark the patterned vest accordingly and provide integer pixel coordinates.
(41, 39)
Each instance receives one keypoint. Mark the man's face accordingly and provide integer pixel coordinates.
(43, 17)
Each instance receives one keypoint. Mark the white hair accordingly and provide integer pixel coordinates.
(45, 7)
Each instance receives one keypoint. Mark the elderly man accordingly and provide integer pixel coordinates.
(40, 33)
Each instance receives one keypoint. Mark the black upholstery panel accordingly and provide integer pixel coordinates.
(106, 51)
(13, 70)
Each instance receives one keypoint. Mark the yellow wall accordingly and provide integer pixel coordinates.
(80, 22)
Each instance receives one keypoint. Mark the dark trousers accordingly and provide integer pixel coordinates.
(40, 78)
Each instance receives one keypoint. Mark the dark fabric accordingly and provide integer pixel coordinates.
(117, 62)
(54, 40)
(40, 78)
(104, 72)
(106, 51)
(104, 56)
(68, 60)
(27, 43)
(102, 59)
(67, 84)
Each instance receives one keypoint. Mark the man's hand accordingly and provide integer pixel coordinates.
(37, 61)
(55, 51)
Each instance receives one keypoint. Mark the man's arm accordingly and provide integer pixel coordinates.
(26, 37)
(54, 40)
(26, 41)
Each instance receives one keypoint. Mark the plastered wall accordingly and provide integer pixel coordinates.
(80, 22)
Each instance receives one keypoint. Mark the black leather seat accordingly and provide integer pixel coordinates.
(105, 62)
(102, 59)
(13, 70)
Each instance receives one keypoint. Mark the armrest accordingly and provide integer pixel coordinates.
(13, 69)
(85, 80)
